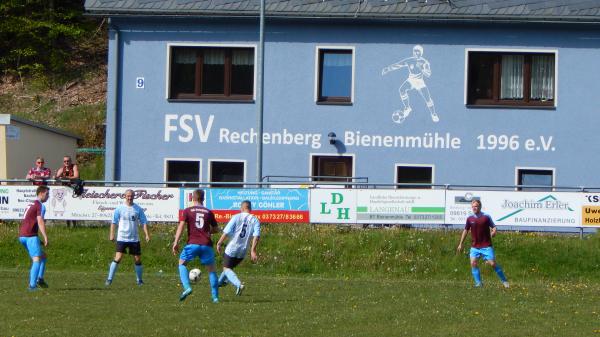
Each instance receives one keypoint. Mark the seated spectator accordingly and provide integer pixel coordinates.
(38, 174)
(68, 171)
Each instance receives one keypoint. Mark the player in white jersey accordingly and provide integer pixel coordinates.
(128, 217)
(239, 230)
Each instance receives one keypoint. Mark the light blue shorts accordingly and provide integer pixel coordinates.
(487, 253)
(33, 245)
(205, 253)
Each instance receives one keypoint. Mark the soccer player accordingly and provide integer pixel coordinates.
(128, 217)
(33, 221)
(240, 229)
(201, 224)
(482, 229)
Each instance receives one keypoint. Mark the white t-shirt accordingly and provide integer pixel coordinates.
(240, 228)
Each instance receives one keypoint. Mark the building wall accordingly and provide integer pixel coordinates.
(33, 142)
(564, 136)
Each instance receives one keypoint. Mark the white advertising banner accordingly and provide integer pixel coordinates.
(558, 209)
(402, 206)
(96, 203)
(590, 209)
(332, 206)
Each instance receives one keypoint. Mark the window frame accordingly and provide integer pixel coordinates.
(518, 169)
(341, 100)
(166, 161)
(209, 172)
(397, 165)
(209, 97)
(496, 101)
(313, 155)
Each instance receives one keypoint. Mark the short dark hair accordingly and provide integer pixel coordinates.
(477, 201)
(41, 189)
(247, 204)
(198, 195)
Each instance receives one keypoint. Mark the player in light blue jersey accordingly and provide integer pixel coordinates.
(127, 218)
(239, 230)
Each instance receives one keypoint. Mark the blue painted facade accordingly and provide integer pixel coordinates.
(148, 130)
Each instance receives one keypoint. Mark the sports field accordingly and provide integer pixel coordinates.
(311, 281)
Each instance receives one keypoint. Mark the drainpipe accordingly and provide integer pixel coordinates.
(112, 105)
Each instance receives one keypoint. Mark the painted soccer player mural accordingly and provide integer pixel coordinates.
(418, 69)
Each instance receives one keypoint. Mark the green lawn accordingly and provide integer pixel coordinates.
(310, 281)
(78, 304)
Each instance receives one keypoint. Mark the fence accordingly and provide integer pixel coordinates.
(556, 208)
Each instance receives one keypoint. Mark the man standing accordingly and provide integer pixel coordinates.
(33, 221)
(128, 217)
(67, 171)
(240, 229)
(201, 224)
(38, 174)
(482, 229)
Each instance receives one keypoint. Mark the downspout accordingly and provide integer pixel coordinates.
(110, 166)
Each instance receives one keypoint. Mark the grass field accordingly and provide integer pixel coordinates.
(349, 283)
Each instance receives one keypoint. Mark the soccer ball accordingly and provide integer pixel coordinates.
(195, 275)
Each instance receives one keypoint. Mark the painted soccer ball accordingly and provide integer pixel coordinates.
(195, 275)
(398, 116)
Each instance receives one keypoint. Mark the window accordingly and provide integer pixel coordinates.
(226, 171)
(517, 79)
(535, 177)
(212, 73)
(329, 167)
(414, 175)
(182, 170)
(335, 76)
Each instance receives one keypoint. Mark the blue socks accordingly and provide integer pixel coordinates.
(214, 285)
(184, 276)
(33, 274)
(232, 277)
(112, 270)
(138, 271)
(500, 273)
(476, 275)
(42, 269)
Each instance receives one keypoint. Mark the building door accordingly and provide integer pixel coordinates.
(327, 168)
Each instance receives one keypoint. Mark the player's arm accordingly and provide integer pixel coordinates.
(178, 233)
(462, 239)
(145, 227)
(493, 231)
(253, 254)
(393, 67)
(42, 228)
(426, 69)
(111, 235)
(220, 242)
(492, 226)
(144, 222)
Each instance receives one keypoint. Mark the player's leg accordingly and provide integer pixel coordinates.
(136, 250)
(40, 278)
(404, 88)
(228, 264)
(187, 254)
(112, 269)
(207, 258)
(490, 258)
(34, 249)
(474, 255)
(424, 91)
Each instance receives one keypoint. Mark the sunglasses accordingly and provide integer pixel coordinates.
(39, 162)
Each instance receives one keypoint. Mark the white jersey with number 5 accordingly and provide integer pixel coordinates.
(240, 229)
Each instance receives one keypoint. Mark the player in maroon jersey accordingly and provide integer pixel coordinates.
(201, 224)
(33, 222)
(482, 229)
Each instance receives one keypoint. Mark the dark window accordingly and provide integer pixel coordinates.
(518, 79)
(414, 175)
(212, 73)
(335, 75)
(226, 171)
(180, 170)
(535, 177)
(327, 168)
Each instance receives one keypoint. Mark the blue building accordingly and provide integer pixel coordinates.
(400, 91)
